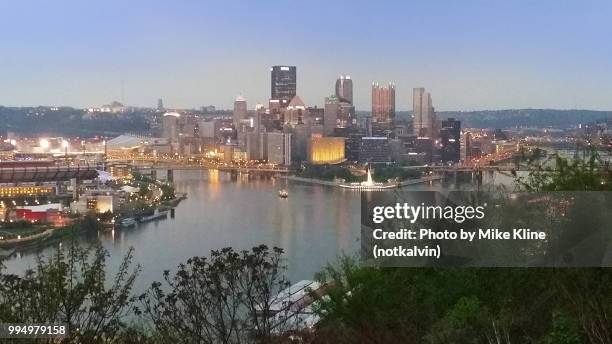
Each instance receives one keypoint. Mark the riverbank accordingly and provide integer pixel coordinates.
(337, 184)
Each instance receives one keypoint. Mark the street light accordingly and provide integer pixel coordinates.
(44, 144)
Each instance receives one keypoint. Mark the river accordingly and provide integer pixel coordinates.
(313, 225)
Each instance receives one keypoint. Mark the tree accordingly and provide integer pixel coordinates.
(477, 305)
(224, 299)
(70, 288)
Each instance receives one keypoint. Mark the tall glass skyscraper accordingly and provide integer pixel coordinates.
(283, 83)
(344, 89)
(423, 111)
(383, 103)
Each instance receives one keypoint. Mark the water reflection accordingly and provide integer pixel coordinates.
(314, 224)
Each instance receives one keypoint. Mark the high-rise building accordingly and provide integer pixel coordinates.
(160, 105)
(256, 146)
(279, 148)
(383, 103)
(295, 112)
(240, 110)
(170, 126)
(466, 146)
(374, 149)
(450, 136)
(346, 115)
(424, 114)
(283, 84)
(330, 115)
(344, 89)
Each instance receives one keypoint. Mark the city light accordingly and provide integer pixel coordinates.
(44, 144)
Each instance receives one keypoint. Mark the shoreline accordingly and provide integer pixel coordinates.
(335, 184)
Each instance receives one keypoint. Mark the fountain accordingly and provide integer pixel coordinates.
(369, 184)
(369, 181)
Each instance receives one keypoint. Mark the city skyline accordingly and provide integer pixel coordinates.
(193, 54)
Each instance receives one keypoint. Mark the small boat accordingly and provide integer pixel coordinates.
(155, 216)
(128, 222)
(283, 193)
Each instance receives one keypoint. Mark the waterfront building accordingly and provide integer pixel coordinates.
(256, 146)
(279, 148)
(326, 150)
(300, 137)
(466, 146)
(98, 201)
(374, 149)
(383, 103)
(450, 136)
(283, 84)
(170, 126)
(120, 170)
(353, 146)
(344, 89)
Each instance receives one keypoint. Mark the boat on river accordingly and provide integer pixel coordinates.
(283, 193)
(128, 222)
(157, 215)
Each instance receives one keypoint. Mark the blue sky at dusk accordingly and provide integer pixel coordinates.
(468, 54)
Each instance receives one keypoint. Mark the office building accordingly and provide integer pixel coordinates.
(450, 145)
(466, 146)
(295, 112)
(279, 148)
(383, 103)
(170, 126)
(330, 115)
(283, 84)
(374, 149)
(240, 110)
(346, 115)
(344, 89)
(160, 105)
(424, 114)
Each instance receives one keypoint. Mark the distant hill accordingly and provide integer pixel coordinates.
(68, 121)
(526, 118)
(520, 117)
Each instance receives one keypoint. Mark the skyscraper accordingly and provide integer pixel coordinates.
(330, 115)
(160, 105)
(283, 83)
(279, 148)
(424, 114)
(344, 89)
(240, 110)
(295, 112)
(450, 136)
(170, 126)
(383, 103)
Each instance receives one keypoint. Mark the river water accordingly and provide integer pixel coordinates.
(313, 225)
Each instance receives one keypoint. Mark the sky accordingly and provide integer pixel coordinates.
(470, 55)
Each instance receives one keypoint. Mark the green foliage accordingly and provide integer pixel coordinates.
(224, 299)
(384, 173)
(476, 305)
(71, 288)
(328, 172)
(591, 174)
